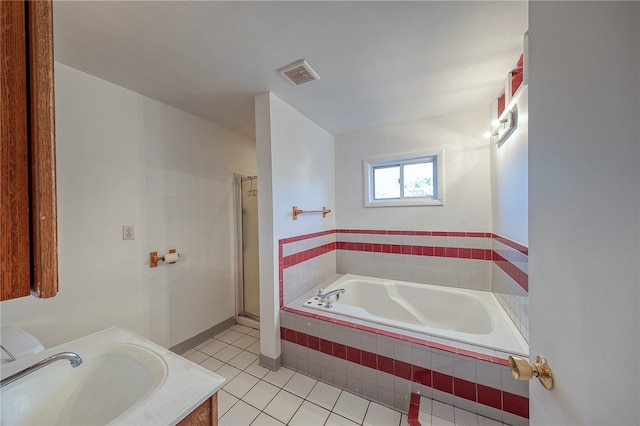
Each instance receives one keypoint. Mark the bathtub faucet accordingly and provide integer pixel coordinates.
(73, 357)
(326, 297)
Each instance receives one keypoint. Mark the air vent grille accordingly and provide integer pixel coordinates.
(299, 73)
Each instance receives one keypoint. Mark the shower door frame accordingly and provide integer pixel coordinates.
(241, 315)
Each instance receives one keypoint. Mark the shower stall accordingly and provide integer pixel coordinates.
(248, 282)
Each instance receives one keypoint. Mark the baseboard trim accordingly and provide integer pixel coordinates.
(194, 341)
(271, 363)
(248, 322)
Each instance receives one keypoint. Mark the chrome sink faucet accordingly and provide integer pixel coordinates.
(73, 357)
(326, 297)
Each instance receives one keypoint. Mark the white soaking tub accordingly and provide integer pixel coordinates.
(468, 316)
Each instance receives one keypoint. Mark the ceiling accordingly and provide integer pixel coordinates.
(380, 63)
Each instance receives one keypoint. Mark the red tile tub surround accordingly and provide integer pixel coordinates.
(514, 245)
(505, 255)
(517, 274)
(305, 255)
(453, 252)
(306, 236)
(505, 263)
(474, 392)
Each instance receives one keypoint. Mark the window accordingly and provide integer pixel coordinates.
(410, 181)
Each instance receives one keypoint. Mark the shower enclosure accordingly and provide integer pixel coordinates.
(248, 294)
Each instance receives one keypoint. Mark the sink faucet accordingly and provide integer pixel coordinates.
(8, 352)
(73, 357)
(326, 297)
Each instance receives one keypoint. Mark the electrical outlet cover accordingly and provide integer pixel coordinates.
(128, 232)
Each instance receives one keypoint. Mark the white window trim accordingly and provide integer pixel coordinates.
(369, 164)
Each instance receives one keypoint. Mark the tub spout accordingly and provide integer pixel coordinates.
(73, 357)
(326, 297)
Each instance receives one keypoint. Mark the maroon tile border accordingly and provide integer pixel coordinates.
(424, 342)
(414, 410)
(419, 233)
(514, 245)
(495, 398)
(517, 274)
(515, 404)
(305, 255)
(453, 252)
(307, 236)
(489, 396)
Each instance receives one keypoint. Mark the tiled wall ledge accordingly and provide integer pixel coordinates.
(382, 365)
(467, 258)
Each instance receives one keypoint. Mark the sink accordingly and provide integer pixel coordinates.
(111, 380)
(124, 379)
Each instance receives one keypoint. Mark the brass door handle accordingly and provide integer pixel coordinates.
(521, 369)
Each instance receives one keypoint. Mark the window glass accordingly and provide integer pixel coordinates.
(410, 181)
(386, 181)
(418, 180)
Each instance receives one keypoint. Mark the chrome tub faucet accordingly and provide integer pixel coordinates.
(73, 358)
(326, 297)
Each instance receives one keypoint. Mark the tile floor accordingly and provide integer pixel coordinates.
(256, 396)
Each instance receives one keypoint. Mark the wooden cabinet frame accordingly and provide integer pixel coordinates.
(28, 222)
(205, 415)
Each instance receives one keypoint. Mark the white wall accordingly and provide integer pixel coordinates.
(295, 166)
(467, 177)
(122, 159)
(509, 179)
(584, 210)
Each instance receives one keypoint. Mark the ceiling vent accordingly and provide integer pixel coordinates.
(299, 73)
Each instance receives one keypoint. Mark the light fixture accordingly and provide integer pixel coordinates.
(505, 126)
(505, 105)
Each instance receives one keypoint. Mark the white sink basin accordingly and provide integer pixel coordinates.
(123, 379)
(111, 379)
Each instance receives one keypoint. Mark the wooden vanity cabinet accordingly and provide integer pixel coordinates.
(28, 223)
(205, 415)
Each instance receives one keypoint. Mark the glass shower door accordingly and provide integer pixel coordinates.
(251, 281)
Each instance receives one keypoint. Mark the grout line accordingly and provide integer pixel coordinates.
(367, 410)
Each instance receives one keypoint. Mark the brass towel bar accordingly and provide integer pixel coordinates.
(297, 212)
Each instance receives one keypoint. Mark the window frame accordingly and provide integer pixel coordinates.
(370, 165)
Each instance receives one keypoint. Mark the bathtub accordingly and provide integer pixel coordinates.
(468, 316)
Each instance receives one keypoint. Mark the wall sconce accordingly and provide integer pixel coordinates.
(505, 126)
(504, 106)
